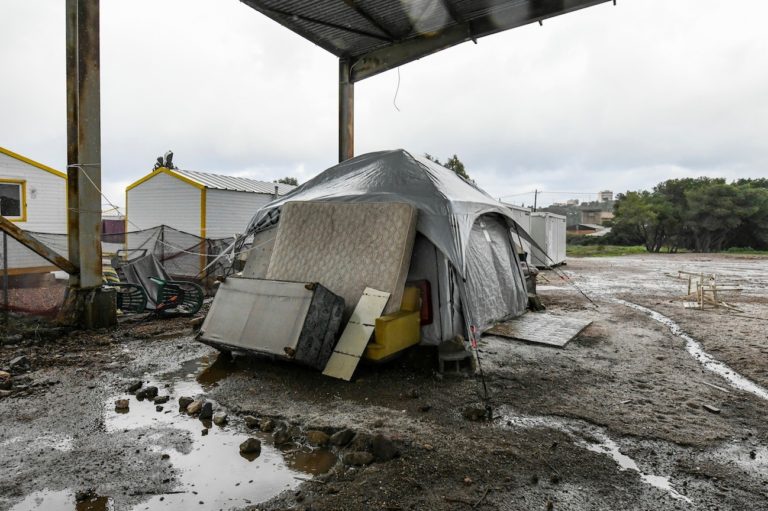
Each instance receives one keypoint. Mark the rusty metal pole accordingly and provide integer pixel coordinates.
(89, 304)
(346, 111)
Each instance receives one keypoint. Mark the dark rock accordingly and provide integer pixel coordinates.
(19, 364)
(267, 425)
(281, 437)
(185, 401)
(425, 408)
(159, 400)
(251, 446)
(150, 392)
(165, 456)
(121, 404)
(251, 421)
(378, 423)
(206, 412)
(133, 387)
(473, 413)
(361, 442)
(383, 448)
(358, 458)
(159, 408)
(205, 432)
(343, 437)
(317, 438)
(87, 494)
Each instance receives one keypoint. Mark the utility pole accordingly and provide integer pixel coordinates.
(88, 304)
(535, 199)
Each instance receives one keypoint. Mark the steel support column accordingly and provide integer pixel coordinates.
(87, 303)
(346, 111)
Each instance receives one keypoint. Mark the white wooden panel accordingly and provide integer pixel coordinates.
(164, 200)
(356, 334)
(46, 196)
(229, 212)
(46, 201)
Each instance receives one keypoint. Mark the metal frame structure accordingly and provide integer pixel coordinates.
(368, 36)
(373, 36)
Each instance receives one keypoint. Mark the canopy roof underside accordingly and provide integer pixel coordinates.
(377, 35)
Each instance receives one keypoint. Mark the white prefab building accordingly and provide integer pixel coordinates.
(34, 197)
(199, 203)
(523, 218)
(548, 231)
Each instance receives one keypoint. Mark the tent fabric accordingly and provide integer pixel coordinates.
(469, 228)
(140, 272)
(398, 176)
(495, 286)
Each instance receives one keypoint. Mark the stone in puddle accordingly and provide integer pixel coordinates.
(160, 400)
(205, 432)
(194, 407)
(383, 448)
(133, 387)
(146, 393)
(358, 458)
(251, 421)
(185, 401)
(267, 425)
(251, 446)
(206, 412)
(281, 437)
(343, 437)
(220, 418)
(317, 438)
(121, 404)
(159, 408)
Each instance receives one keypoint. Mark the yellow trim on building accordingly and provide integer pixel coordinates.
(22, 199)
(163, 170)
(32, 162)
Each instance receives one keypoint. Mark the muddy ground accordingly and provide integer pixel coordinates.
(623, 417)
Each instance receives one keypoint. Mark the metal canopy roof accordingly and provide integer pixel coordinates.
(378, 35)
(237, 184)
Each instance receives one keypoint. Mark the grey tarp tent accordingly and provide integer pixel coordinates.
(464, 245)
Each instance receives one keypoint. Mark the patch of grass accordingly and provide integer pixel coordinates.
(602, 250)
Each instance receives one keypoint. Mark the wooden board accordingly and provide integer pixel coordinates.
(541, 328)
(356, 335)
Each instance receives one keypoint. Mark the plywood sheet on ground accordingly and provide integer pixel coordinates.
(541, 328)
(356, 335)
(346, 248)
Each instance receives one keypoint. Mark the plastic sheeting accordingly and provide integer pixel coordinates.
(495, 284)
(448, 206)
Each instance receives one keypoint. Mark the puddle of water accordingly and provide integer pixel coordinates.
(604, 445)
(697, 351)
(609, 447)
(213, 472)
(47, 500)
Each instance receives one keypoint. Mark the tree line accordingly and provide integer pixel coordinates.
(698, 214)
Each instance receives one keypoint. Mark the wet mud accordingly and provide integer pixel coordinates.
(645, 410)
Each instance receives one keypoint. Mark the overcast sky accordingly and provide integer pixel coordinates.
(605, 98)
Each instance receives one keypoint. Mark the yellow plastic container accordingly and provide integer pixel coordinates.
(394, 333)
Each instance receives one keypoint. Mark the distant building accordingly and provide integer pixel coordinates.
(34, 197)
(605, 196)
(595, 215)
(206, 205)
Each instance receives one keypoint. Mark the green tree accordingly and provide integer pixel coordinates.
(636, 217)
(288, 181)
(453, 163)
